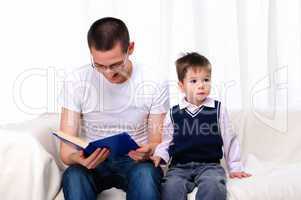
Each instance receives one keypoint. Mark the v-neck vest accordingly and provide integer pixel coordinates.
(196, 135)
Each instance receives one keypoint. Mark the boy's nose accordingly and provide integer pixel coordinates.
(201, 85)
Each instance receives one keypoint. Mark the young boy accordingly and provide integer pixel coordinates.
(197, 133)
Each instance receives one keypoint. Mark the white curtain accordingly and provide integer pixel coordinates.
(253, 45)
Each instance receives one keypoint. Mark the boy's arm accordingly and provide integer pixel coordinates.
(231, 146)
(230, 141)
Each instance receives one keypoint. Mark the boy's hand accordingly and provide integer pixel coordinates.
(156, 160)
(141, 154)
(91, 162)
(239, 175)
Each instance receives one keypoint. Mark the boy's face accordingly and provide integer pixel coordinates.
(196, 85)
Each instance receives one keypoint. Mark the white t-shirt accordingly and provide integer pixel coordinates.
(108, 109)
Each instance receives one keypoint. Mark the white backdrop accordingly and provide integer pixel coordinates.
(253, 45)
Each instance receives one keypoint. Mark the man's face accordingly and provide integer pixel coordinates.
(196, 85)
(113, 64)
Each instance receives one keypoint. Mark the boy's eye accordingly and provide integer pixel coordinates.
(193, 81)
(206, 80)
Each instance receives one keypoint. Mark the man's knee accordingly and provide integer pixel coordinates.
(145, 177)
(144, 182)
(145, 171)
(78, 183)
(74, 174)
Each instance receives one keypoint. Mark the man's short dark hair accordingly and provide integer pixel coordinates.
(191, 60)
(106, 32)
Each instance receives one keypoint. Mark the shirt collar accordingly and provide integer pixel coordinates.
(209, 102)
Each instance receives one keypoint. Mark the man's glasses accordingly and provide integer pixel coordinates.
(113, 67)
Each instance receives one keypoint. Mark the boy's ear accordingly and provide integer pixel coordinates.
(131, 48)
(181, 86)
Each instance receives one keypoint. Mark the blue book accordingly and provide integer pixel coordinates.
(119, 145)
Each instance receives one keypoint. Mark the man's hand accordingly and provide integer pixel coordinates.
(141, 154)
(91, 162)
(156, 160)
(239, 175)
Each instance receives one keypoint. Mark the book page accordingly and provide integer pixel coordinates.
(72, 139)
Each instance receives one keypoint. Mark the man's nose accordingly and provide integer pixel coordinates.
(109, 72)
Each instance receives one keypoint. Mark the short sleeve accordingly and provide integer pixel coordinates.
(160, 103)
(71, 94)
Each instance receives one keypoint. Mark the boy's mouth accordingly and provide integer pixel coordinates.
(201, 93)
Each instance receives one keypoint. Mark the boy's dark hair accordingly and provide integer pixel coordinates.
(106, 32)
(191, 60)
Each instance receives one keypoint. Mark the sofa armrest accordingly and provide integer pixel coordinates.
(27, 170)
(40, 128)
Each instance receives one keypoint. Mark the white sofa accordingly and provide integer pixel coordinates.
(31, 169)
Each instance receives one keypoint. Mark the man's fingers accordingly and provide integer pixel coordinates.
(103, 154)
(103, 157)
(137, 153)
(143, 150)
(92, 164)
(92, 157)
(132, 157)
(135, 156)
(78, 157)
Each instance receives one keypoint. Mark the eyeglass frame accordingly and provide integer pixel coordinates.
(112, 68)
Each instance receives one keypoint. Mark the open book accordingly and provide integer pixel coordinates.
(118, 145)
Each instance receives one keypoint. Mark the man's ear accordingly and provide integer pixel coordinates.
(181, 86)
(131, 48)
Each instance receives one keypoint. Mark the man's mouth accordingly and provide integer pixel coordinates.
(115, 75)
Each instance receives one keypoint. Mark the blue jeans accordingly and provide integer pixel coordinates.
(181, 179)
(140, 180)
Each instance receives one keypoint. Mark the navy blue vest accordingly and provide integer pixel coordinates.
(196, 136)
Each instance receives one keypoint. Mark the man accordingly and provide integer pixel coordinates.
(110, 96)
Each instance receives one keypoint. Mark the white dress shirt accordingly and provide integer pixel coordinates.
(231, 149)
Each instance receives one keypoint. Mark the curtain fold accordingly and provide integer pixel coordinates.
(253, 45)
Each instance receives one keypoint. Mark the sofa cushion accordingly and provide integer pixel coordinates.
(27, 170)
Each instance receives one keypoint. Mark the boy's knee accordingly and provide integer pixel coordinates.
(173, 182)
(213, 183)
(175, 188)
